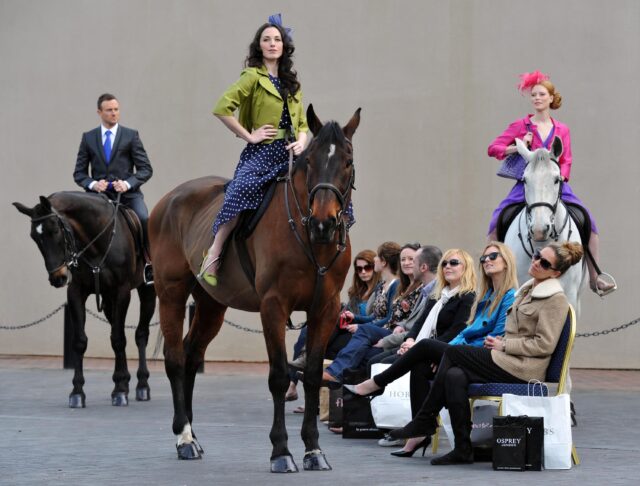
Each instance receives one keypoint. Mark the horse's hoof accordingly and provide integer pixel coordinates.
(143, 394)
(119, 399)
(315, 461)
(76, 400)
(188, 451)
(283, 464)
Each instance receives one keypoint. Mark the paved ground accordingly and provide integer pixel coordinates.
(44, 442)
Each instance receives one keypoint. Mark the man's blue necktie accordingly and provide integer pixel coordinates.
(107, 145)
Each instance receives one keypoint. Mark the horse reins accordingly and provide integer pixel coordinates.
(71, 256)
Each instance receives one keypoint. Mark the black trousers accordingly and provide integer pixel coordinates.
(418, 361)
(135, 201)
(461, 365)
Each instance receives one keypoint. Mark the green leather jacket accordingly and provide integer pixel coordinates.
(260, 103)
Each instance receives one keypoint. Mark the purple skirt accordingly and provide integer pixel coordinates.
(517, 196)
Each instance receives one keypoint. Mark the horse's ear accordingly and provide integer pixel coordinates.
(24, 209)
(556, 147)
(523, 150)
(312, 119)
(350, 128)
(45, 204)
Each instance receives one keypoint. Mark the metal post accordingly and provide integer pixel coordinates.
(192, 311)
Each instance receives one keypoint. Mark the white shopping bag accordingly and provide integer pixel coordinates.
(392, 409)
(557, 424)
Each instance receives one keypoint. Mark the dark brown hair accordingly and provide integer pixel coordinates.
(288, 77)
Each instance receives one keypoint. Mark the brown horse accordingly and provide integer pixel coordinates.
(300, 256)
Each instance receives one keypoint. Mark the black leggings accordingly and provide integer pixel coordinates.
(418, 360)
(460, 366)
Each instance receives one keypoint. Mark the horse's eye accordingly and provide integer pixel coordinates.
(558, 180)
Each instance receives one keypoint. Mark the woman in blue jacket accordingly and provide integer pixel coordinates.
(488, 316)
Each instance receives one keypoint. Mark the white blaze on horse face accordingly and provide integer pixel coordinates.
(541, 175)
(332, 151)
(185, 437)
(39, 229)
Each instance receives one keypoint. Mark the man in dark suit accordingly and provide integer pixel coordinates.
(111, 160)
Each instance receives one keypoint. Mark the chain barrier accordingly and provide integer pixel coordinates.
(102, 319)
(259, 331)
(608, 331)
(37, 321)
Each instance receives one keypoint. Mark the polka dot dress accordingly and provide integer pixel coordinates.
(259, 164)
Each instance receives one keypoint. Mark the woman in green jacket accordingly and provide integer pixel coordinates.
(270, 119)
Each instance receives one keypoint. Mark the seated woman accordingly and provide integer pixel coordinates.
(365, 281)
(488, 315)
(360, 347)
(533, 328)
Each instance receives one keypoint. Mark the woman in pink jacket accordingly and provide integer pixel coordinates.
(538, 130)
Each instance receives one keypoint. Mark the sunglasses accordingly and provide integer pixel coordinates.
(544, 263)
(367, 268)
(454, 262)
(490, 256)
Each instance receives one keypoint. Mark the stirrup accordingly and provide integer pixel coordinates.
(601, 292)
(208, 277)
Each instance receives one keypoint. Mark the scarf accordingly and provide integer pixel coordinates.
(428, 330)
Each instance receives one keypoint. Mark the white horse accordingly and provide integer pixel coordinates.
(545, 218)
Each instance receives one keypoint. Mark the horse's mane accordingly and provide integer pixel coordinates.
(66, 199)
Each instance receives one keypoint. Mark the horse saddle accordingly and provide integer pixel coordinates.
(578, 214)
(133, 222)
(247, 223)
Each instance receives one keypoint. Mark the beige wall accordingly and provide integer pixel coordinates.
(436, 81)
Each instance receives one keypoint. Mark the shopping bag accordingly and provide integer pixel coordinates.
(482, 429)
(534, 441)
(357, 422)
(557, 424)
(509, 444)
(335, 407)
(392, 409)
(482, 423)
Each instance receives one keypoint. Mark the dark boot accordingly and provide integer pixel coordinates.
(462, 453)
(424, 424)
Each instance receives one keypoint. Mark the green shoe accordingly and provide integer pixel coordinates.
(210, 278)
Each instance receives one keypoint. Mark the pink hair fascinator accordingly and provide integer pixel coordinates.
(529, 80)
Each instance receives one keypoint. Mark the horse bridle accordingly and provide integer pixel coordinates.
(555, 232)
(307, 249)
(71, 255)
(304, 220)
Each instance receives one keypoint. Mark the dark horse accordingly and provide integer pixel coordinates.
(300, 255)
(87, 244)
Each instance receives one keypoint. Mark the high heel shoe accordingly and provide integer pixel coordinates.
(424, 444)
(207, 276)
(352, 389)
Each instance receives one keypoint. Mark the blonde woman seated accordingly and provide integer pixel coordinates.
(533, 328)
(496, 293)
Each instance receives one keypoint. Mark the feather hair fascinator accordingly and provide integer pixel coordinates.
(276, 19)
(529, 80)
